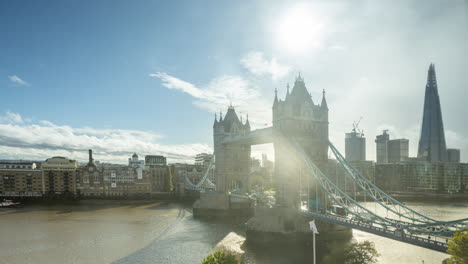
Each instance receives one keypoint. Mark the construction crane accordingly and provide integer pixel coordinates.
(356, 127)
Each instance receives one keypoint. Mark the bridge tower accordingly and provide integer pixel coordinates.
(232, 160)
(297, 116)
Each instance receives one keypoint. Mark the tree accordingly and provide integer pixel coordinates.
(354, 253)
(458, 248)
(219, 257)
(361, 253)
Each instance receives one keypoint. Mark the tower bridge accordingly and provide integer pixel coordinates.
(300, 137)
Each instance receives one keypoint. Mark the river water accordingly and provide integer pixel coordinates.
(154, 232)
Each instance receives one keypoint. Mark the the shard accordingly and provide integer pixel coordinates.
(432, 146)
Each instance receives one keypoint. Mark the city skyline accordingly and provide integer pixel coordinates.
(139, 85)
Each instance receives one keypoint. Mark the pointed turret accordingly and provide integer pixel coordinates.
(275, 101)
(215, 121)
(247, 123)
(324, 105)
(220, 117)
(287, 92)
(432, 141)
(230, 118)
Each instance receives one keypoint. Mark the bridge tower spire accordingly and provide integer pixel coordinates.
(215, 121)
(275, 101)
(247, 123)
(324, 105)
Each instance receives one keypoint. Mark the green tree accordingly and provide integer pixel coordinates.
(219, 257)
(354, 253)
(361, 253)
(458, 248)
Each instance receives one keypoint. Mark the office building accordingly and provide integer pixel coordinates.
(355, 146)
(398, 150)
(381, 147)
(453, 155)
(391, 150)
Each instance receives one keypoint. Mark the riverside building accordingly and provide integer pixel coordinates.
(59, 176)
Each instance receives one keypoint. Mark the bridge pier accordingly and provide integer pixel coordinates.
(220, 205)
(284, 225)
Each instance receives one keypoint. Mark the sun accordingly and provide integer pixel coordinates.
(299, 29)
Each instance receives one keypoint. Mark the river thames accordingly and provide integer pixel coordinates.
(161, 232)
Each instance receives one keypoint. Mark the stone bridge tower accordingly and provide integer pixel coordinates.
(232, 160)
(297, 116)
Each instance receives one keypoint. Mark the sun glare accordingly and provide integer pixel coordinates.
(299, 30)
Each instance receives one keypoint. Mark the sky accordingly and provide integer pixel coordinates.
(147, 76)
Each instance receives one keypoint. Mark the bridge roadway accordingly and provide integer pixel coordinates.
(388, 233)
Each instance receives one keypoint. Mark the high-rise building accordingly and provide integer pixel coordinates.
(391, 150)
(398, 150)
(453, 155)
(355, 146)
(381, 145)
(432, 146)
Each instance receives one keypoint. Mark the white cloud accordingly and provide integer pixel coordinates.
(257, 64)
(17, 80)
(245, 94)
(11, 118)
(44, 139)
(174, 83)
(222, 91)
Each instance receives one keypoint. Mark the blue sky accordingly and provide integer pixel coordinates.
(146, 76)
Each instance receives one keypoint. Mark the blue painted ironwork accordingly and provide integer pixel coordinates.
(392, 233)
(364, 219)
(418, 222)
(204, 183)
